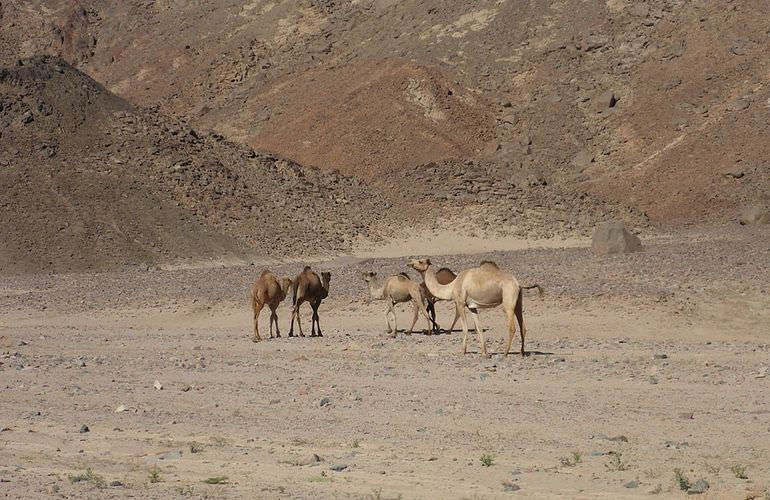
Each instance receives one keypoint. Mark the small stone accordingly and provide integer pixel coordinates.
(116, 484)
(604, 101)
(158, 386)
(27, 117)
(170, 455)
(338, 467)
(660, 356)
(700, 486)
(121, 409)
(84, 428)
(739, 105)
(326, 401)
(653, 380)
(309, 460)
(618, 439)
(509, 486)
(756, 214)
(733, 173)
(688, 415)
(631, 484)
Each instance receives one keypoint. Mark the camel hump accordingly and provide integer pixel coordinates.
(444, 270)
(265, 273)
(489, 264)
(306, 269)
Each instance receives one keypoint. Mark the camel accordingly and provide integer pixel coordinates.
(308, 287)
(267, 290)
(477, 288)
(444, 276)
(398, 289)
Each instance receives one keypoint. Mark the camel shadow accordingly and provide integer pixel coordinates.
(514, 353)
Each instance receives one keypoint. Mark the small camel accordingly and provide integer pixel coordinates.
(477, 288)
(267, 290)
(308, 287)
(444, 276)
(398, 289)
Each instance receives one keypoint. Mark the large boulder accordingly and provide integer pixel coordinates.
(613, 237)
(756, 214)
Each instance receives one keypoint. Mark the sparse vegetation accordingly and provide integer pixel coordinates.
(616, 463)
(154, 475)
(739, 470)
(681, 480)
(487, 460)
(196, 447)
(572, 460)
(88, 476)
(216, 480)
(355, 444)
(218, 441)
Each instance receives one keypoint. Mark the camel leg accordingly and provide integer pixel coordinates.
(295, 312)
(419, 301)
(431, 308)
(316, 320)
(274, 318)
(392, 313)
(510, 320)
(414, 318)
(518, 311)
(457, 316)
(475, 316)
(464, 323)
(257, 310)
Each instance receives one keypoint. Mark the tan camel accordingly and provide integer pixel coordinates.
(308, 287)
(477, 288)
(267, 290)
(398, 289)
(444, 276)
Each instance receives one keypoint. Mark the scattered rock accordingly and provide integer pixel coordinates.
(509, 486)
(27, 117)
(121, 409)
(158, 386)
(326, 401)
(739, 105)
(583, 158)
(185, 388)
(170, 455)
(84, 428)
(612, 238)
(631, 484)
(308, 460)
(756, 214)
(700, 486)
(116, 484)
(660, 356)
(604, 101)
(338, 467)
(735, 172)
(618, 439)
(688, 415)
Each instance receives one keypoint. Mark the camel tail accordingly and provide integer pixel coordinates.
(540, 291)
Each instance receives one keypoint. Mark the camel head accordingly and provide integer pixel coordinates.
(285, 285)
(419, 265)
(326, 277)
(369, 276)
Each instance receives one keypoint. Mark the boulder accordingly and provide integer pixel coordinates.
(613, 237)
(756, 214)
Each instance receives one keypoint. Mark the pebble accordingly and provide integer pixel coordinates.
(632, 484)
(325, 402)
(660, 356)
(509, 486)
(338, 467)
(84, 428)
(158, 386)
(309, 460)
(700, 486)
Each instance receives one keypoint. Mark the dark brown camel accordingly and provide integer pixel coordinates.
(308, 287)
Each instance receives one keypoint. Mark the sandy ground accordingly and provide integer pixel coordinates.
(638, 365)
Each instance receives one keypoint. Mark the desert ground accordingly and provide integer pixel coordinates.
(637, 366)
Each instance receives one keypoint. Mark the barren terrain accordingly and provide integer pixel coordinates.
(637, 365)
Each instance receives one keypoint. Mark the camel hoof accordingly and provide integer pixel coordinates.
(278, 335)
(319, 334)
(301, 334)
(255, 339)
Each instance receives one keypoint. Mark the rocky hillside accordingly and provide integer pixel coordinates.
(91, 182)
(654, 104)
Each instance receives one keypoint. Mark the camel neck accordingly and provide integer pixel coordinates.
(443, 292)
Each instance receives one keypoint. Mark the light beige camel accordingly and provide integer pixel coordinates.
(477, 288)
(308, 287)
(398, 289)
(267, 290)
(444, 276)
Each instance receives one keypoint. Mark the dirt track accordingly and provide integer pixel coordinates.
(410, 416)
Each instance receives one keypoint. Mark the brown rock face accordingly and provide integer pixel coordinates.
(756, 214)
(612, 238)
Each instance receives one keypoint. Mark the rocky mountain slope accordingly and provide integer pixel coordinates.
(651, 103)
